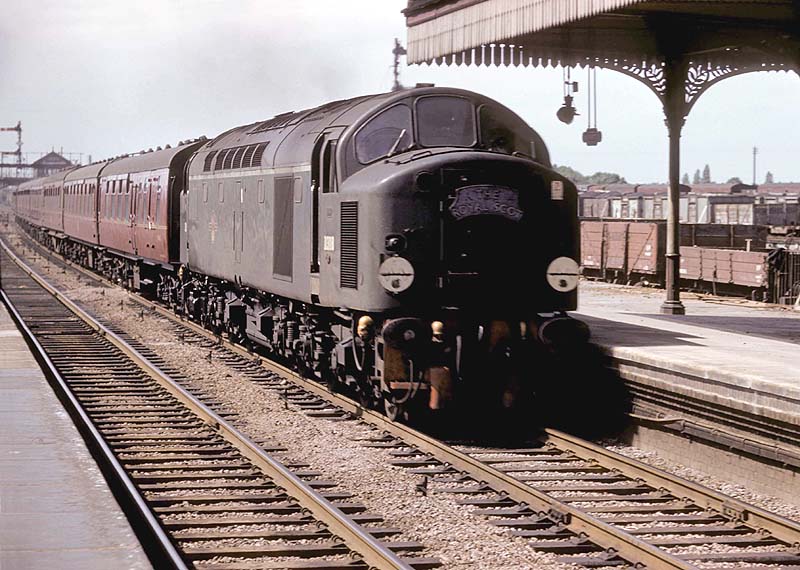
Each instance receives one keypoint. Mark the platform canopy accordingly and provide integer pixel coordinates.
(677, 48)
(577, 32)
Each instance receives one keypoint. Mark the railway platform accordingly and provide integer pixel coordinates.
(56, 510)
(725, 352)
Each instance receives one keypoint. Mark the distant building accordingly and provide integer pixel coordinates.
(49, 164)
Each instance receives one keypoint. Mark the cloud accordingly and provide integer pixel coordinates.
(105, 78)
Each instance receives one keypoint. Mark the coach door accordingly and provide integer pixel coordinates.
(137, 188)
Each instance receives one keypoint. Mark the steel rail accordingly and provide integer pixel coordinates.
(601, 533)
(757, 445)
(157, 545)
(782, 528)
(355, 537)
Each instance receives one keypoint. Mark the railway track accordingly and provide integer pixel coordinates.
(592, 507)
(206, 495)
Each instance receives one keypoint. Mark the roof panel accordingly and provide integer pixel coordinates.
(576, 31)
(89, 171)
(146, 161)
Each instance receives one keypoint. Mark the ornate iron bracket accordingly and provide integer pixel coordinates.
(698, 78)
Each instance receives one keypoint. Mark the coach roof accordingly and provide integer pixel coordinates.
(84, 172)
(147, 161)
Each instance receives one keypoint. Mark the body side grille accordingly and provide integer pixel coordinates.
(349, 245)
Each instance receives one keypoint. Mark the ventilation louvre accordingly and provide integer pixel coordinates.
(209, 160)
(220, 158)
(259, 154)
(237, 158)
(247, 159)
(349, 245)
(228, 162)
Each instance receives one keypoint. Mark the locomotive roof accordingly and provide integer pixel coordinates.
(146, 161)
(289, 137)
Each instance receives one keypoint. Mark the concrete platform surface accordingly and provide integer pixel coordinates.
(730, 351)
(56, 510)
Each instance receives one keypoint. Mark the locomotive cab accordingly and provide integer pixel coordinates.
(461, 227)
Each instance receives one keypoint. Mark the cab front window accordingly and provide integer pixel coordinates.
(501, 131)
(445, 121)
(387, 133)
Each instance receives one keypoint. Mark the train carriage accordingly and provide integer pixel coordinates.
(52, 207)
(140, 204)
(80, 203)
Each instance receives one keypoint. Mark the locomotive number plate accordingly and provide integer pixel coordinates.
(485, 200)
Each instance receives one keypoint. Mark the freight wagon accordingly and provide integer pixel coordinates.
(744, 209)
(712, 258)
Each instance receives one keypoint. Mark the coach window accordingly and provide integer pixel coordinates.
(127, 199)
(221, 190)
(205, 191)
(112, 210)
(388, 132)
(140, 190)
(120, 200)
(241, 191)
(445, 121)
(261, 193)
(298, 190)
(157, 213)
(149, 199)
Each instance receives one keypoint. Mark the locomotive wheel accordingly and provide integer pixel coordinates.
(337, 381)
(394, 411)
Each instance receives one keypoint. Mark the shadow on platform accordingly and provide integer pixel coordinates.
(774, 328)
(615, 333)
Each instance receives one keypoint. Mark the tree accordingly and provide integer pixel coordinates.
(706, 175)
(570, 173)
(769, 178)
(734, 180)
(606, 178)
(696, 179)
(685, 179)
(596, 178)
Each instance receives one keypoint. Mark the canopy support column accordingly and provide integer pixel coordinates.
(675, 72)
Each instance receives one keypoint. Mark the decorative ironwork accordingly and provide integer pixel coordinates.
(698, 77)
(651, 75)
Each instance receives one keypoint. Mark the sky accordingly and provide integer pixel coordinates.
(107, 77)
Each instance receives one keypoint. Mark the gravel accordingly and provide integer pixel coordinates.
(459, 539)
(436, 520)
(736, 491)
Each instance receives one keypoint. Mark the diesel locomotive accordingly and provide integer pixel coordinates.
(414, 247)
